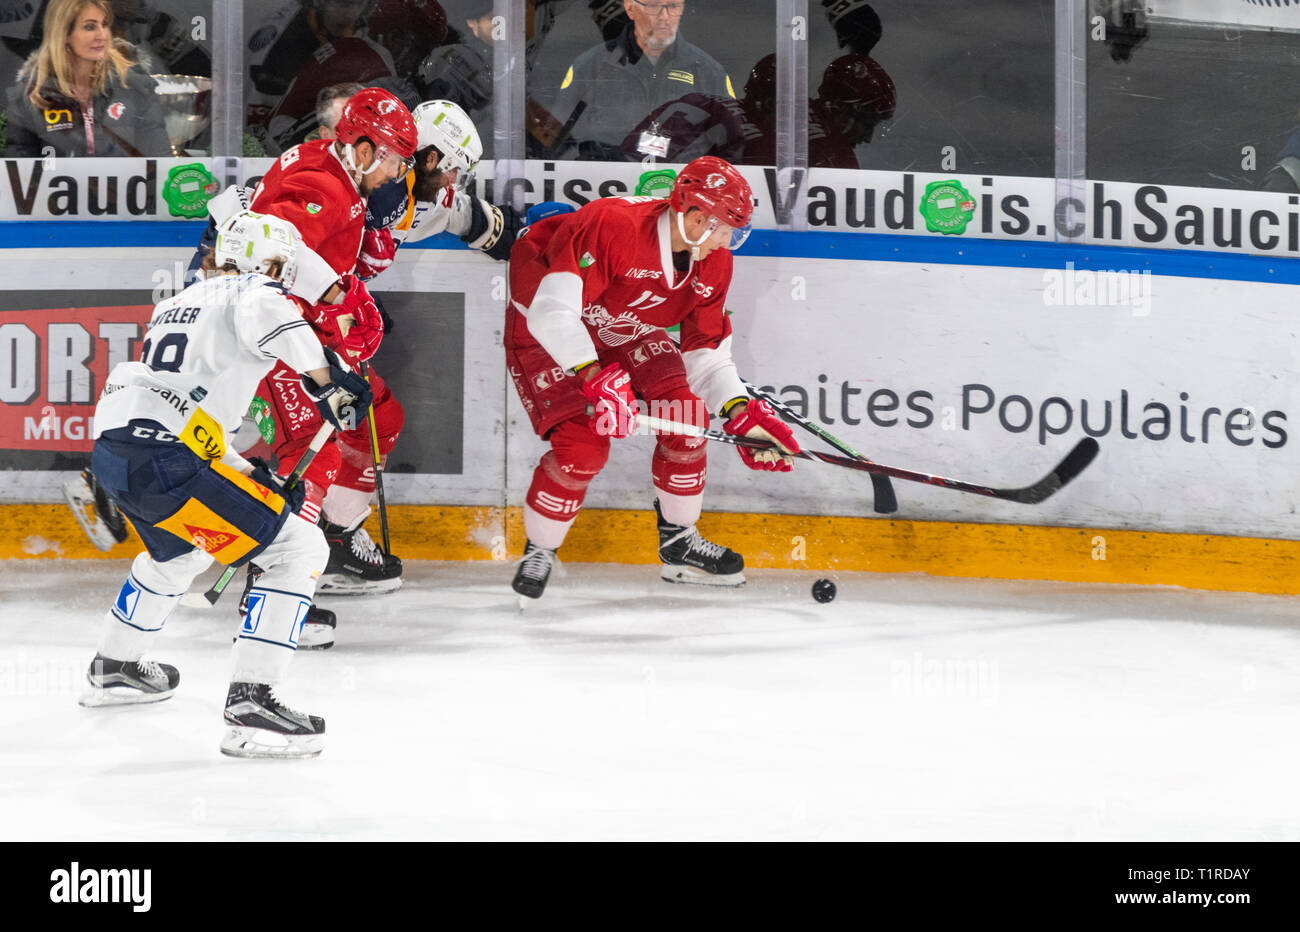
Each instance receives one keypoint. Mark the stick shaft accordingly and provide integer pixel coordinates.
(379, 469)
(1074, 463)
(317, 442)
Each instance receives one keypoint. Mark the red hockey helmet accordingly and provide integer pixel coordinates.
(376, 115)
(715, 187)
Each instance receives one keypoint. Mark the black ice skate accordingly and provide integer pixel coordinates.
(121, 682)
(95, 511)
(689, 558)
(534, 571)
(258, 724)
(356, 565)
(317, 631)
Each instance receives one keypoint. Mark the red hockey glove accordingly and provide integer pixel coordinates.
(377, 253)
(614, 413)
(354, 327)
(759, 422)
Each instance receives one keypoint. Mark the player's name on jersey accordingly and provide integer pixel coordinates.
(177, 315)
(80, 188)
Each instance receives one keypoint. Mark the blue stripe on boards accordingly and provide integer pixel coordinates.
(879, 247)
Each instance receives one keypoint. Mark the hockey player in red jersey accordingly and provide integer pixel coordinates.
(321, 187)
(591, 294)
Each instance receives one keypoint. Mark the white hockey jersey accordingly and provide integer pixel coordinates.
(208, 348)
(451, 213)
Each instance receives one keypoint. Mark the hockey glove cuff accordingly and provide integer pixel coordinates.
(613, 402)
(377, 253)
(344, 399)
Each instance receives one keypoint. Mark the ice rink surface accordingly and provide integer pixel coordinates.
(620, 707)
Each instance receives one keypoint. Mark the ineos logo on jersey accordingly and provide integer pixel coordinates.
(701, 289)
(643, 273)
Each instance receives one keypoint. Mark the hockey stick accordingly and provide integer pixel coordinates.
(884, 500)
(1074, 463)
(379, 467)
(317, 442)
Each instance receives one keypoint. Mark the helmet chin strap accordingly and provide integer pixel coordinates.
(351, 163)
(694, 244)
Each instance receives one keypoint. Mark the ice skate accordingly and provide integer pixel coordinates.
(121, 682)
(258, 724)
(317, 632)
(103, 523)
(534, 571)
(356, 565)
(689, 558)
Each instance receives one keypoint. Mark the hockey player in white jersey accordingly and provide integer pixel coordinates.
(432, 199)
(161, 452)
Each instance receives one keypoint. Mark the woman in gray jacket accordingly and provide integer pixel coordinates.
(78, 94)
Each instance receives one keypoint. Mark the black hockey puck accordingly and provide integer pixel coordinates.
(823, 590)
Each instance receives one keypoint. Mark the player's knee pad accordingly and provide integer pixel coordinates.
(678, 466)
(274, 617)
(152, 589)
(278, 603)
(578, 453)
(560, 481)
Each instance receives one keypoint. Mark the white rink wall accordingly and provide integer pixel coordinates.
(969, 371)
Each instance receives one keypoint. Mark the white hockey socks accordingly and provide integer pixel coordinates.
(145, 600)
(545, 532)
(346, 507)
(683, 510)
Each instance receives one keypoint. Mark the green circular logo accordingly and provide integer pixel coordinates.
(658, 183)
(947, 207)
(259, 412)
(188, 189)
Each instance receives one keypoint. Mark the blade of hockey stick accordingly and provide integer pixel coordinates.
(317, 442)
(1083, 453)
(884, 500)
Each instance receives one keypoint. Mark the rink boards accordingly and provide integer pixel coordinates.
(931, 353)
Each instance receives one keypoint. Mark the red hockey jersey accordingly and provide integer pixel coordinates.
(309, 187)
(603, 276)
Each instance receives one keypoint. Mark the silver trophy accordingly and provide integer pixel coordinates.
(186, 100)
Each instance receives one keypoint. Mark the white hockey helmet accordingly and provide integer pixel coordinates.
(445, 125)
(252, 242)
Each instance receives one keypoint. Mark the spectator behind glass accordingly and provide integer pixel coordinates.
(78, 93)
(462, 73)
(160, 42)
(329, 106)
(164, 43)
(304, 45)
(611, 88)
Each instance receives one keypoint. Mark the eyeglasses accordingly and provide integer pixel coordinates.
(654, 9)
